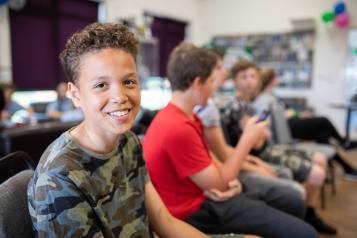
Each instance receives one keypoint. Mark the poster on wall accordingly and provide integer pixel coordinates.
(289, 54)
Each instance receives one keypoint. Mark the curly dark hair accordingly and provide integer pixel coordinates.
(186, 62)
(94, 37)
(241, 66)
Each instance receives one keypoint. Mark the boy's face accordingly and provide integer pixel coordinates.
(247, 81)
(208, 88)
(221, 74)
(107, 90)
(8, 94)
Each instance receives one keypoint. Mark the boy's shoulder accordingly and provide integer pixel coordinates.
(168, 116)
(60, 157)
(129, 138)
(65, 159)
(65, 154)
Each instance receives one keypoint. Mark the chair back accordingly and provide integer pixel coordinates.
(13, 163)
(15, 220)
(281, 130)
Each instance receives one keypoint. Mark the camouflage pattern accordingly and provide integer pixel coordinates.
(231, 114)
(298, 161)
(78, 193)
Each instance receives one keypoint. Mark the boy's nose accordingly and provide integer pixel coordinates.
(118, 95)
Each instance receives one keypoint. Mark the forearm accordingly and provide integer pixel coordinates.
(249, 167)
(163, 223)
(217, 143)
(228, 152)
(175, 228)
(233, 164)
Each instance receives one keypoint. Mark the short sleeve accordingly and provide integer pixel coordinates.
(59, 209)
(187, 150)
(209, 115)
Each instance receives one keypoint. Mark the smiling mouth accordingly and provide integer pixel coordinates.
(119, 113)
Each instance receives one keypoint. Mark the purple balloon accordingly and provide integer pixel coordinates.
(342, 20)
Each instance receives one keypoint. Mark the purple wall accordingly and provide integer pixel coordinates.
(169, 33)
(38, 35)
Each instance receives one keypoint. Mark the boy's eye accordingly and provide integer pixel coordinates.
(99, 85)
(130, 82)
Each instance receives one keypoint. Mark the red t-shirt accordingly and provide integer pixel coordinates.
(175, 149)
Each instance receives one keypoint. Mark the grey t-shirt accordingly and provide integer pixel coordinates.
(264, 102)
(209, 115)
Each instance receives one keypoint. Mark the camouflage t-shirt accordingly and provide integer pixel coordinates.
(78, 193)
(232, 113)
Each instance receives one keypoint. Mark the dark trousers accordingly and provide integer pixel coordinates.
(319, 129)
(255, 211)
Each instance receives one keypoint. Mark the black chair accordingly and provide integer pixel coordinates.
(15, 220)
(143, 121)
(13, 163)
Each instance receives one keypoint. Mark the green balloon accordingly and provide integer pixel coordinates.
(328, 16)
(249, 50)
(355, 51)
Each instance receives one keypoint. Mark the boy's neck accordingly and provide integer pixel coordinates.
(246, 96)
(184, 101)
(270, 89)
(92, 141)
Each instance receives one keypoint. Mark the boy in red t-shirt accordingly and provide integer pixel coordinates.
(194, 186)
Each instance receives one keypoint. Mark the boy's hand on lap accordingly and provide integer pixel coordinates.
(235, 188)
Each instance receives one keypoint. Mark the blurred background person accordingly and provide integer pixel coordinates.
(10, 105)
(63, 109)
(303, 125)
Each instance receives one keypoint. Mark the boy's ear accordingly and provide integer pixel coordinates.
(73, 93)
(197, 83)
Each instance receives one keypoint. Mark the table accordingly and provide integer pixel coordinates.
(349, 107)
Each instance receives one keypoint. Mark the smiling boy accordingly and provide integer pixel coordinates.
(92, 180)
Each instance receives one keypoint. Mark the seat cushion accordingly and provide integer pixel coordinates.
(327, 150)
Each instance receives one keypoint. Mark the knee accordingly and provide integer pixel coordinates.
(320, 159)
(300, 229)
(298, 203)
(300, 189)
(305, 230)
(317, 176)
(294, 202)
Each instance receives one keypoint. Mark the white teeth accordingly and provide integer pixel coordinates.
(119, 113)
